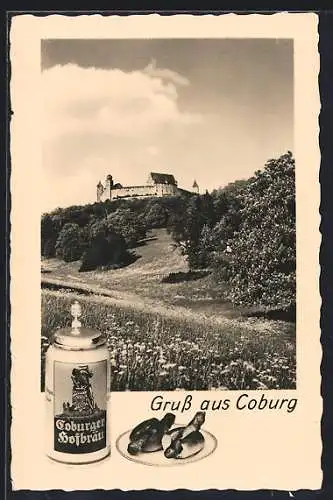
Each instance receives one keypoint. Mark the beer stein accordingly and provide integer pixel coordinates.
(77, 385)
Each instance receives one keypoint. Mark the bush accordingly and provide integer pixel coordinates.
(105, 250)
(69, 245)
(181, 276)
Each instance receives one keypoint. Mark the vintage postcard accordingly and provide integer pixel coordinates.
(165, 242)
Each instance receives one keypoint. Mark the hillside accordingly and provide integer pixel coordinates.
(201, 341)
(167, 327)
(141, 282)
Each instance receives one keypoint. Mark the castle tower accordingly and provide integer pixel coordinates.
(108, 186)
(195, 187)
(100, 190)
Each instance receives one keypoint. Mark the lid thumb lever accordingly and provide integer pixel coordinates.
(76, 313)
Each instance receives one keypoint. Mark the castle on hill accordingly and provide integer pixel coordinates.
(158, 185)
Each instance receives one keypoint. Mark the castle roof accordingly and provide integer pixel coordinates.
(163, 178)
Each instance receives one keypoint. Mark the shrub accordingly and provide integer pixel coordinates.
(180, 276)
(105, 250)
(69, 245)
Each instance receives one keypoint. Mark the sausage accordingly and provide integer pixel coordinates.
(182, 448)
(142, 428)
(147, 436)
(167, 421)
(135, 447)
(186, 441)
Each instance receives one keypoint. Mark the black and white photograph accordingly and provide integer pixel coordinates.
(168, 207)
(165, 252)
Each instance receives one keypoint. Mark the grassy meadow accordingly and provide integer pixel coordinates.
(163, 349)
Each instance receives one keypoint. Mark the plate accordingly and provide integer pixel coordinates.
(157, 458)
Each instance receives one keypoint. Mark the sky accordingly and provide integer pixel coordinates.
(213, 110)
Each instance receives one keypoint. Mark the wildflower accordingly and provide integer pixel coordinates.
(261, 385)
(249, 366)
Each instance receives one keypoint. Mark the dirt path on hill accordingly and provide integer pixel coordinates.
(139, 286)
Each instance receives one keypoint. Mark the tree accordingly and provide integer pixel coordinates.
(228, 205)
(69, 245)
(155, 215)
(206, 246)
(105, 250)
(188, 226)
(260, 269)
(128, 224)
(48, 236)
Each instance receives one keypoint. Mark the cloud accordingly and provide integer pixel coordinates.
(108, 101)
(165, 74)
(98, 121)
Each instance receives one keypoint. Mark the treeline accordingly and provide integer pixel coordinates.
(103, 234)
(244, 233)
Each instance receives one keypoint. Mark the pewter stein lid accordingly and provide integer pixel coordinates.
(78, 338)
